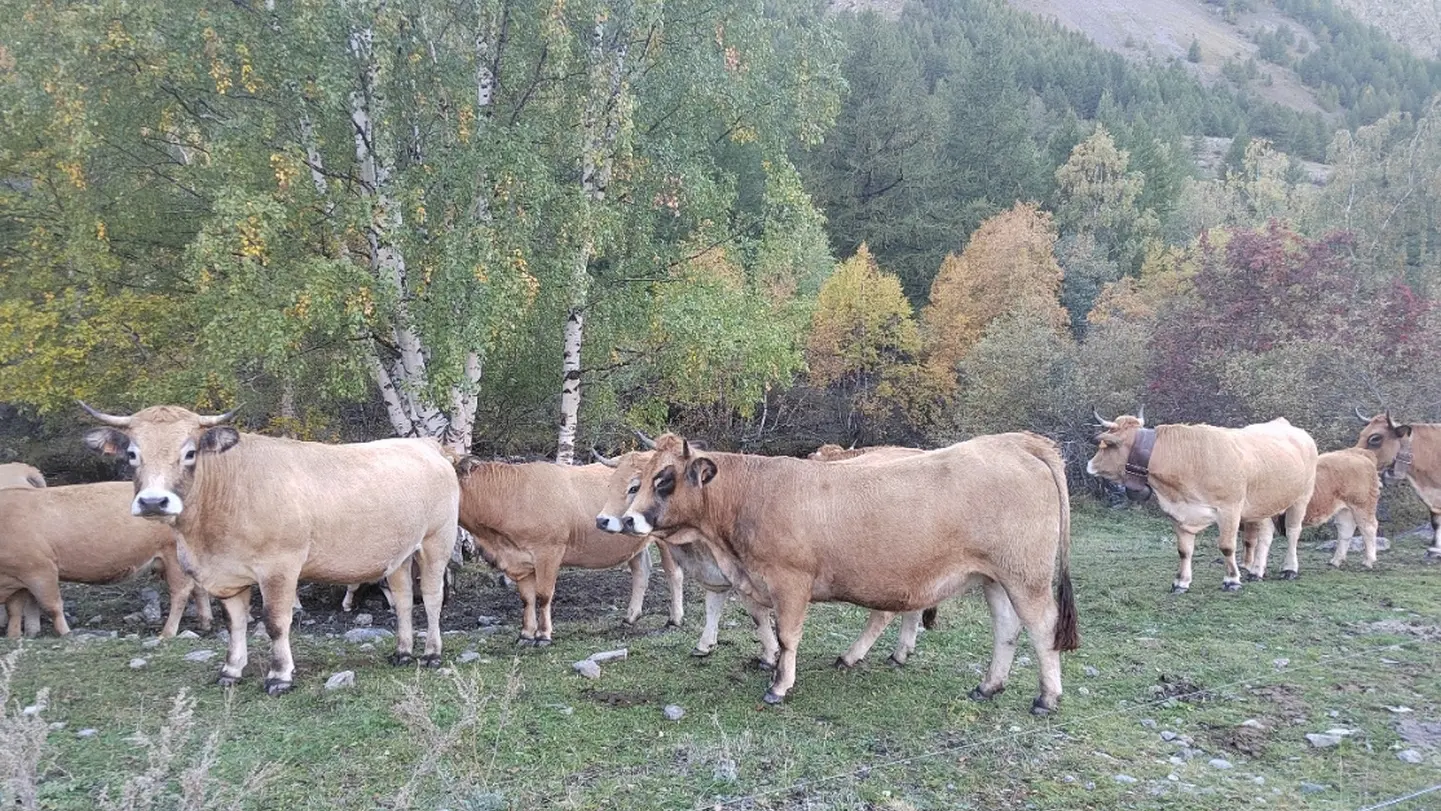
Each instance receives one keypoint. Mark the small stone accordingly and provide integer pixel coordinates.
(1125, 778)
(610, 655)
(187, 634)
(467, 657)
(1090, 785)
(1188, 753)
(1281, 663)
(133, 618)
(223, 635)
(1175, 761)
(1219, 763)
(367, 646)
(1312, 788)
(1168, 735)
(587, 668)
(87, 732)
(1333, 713)
(1070, 778)
(32, 710)
(1410, 756)
(1253, 724)
(725, 771)
(1083, 691)
(95, 620)
(137, 663)
(132, 637)
(152, 643)
(1259, 780)
(199, 655)
(1321, 740)
(345, 678)
(57, 726)
(1148, 723)
(484, 621)
(673, 712)
(362, 620)
(259, 632)
(1091, 671)
(367, 634)
(1173, 777)
(1400, 710)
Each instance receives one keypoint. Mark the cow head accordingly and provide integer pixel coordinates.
(1391, 443)
(1113, 446)
(162, 444)
(668, 487)
(621, 488)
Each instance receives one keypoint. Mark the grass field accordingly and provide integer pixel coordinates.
(1239, 678)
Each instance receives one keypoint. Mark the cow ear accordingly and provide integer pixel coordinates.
(35, 481)
(466, 465)
(107, 441)
(700, 471)
(1403, 430)
(218, 440)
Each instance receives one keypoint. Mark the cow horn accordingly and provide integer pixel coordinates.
(1141, 414)
(1102, 421)
(603, 459)
(106, 419)
(219, 419)
(1360, 416)
(1389, 422)
(645, 440)
(685, 449)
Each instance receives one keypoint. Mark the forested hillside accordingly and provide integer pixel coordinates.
(525, 229)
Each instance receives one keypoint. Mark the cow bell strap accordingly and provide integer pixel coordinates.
(1138, 463)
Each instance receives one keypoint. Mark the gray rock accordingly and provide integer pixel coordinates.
(484, 621)
(1083, 691)
(1168, 735)
(1331, 737)
(200, 656)
(587, 668)
(1280, 664)
(367, 646)
(487, 630)
(1312, 788)
(150, 596)
(363, 620)
(133, 618)
(187, 634)
(95, 620)
(56, 726)
(259, 632)
(726, 771)
(1125, 778)
(1090, 785)
(87, 732)
(610, 656)
(1259, 780)
(467, 657)
(1253, 723)
(1148, 723)
(367, 634)
(1187, 753)
(223, 635)
(1220, 763)
(1175, 761)
(1410, 756)
(137, 663)
(151, 643)
(151, 609)
(673, 712)
(345, 678)
(1091, 671)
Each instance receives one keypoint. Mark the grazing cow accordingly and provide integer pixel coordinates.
(901, 536)
(82, 534)
(1348, 487)
(1411, 452)
(1203, 475)
(255, 510)
(529, 519)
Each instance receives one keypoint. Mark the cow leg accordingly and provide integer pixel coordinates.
(1249, 533)
(433, 563)
(770, 646)
(715, 604)
(1435, 550)
(639, 580)
(400, 586)
(1039, 613)
(347, 603)
(906, 641)
(45, 590)
(15, 606)
(875, 626)
(546, 572)
(1294, 518)
(1185, 546)
(525, 587)
(180, 585)
(1368, 538)
(1345, 528)
(277, 597)
(1265, 533)
(202, 606)
(790, 606)
(1229, 527)
(237, 611)
(1005, 632)
(675, 583)
(31, 626)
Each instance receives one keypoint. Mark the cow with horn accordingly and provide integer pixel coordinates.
(253, 510)
(1203, 475)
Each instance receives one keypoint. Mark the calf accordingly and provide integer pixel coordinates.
(1348, 488)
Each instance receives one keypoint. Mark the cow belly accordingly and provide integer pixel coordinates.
(909, 592)
(1187, 513)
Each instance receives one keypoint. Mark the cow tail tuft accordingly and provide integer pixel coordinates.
(928, 618)
(1068, 635)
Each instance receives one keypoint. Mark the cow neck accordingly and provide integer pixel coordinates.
(1138, 462)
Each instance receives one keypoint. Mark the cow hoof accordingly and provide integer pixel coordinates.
(1433, 554)
(765, 666)
(629, 621)
(1179, 589)
(1249, 576)
(842, 664)
(541, 642)
(981, 695)
(430, 660)
(277, 687)
(698, 653)
(1230, 586)
(227, 681)
(525, 642)
(1289, 574)
(894, 662)
(1040, 708)
(772, 699)
(401, 659)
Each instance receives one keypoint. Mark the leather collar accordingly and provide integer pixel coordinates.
(1138, 465)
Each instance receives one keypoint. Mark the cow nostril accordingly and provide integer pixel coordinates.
(628, 522)
(601, 523)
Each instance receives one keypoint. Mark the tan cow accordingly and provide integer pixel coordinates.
(250, 509)
(530, 519)
(20, 607)
(83, 534)
(1411, 451)
(901, 536)
(1348, 488)
(1203, 475)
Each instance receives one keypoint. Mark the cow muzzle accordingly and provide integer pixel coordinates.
(156, 503)
(635, 523)
(608, 523)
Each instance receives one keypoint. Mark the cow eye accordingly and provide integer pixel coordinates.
(132, 456)
(1373, 441)
(190, 454)
(633, 489)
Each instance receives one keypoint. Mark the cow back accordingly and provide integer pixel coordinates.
(1260, 469)
(85, 529)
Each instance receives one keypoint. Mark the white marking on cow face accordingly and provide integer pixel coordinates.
(1091, 466)
(637, 524)
(156, 502)
(608, 523)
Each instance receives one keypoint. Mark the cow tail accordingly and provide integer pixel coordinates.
(928, 618)
(1067, 634)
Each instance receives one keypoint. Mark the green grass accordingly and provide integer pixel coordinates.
(1353, 643)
